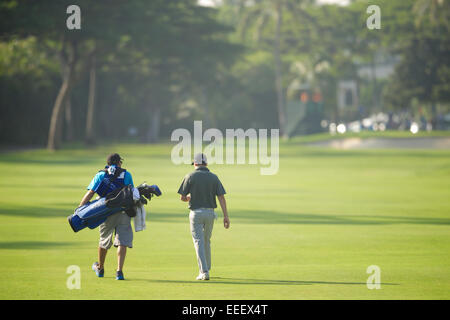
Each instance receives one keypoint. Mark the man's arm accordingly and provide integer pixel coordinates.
(186, 198)
(184, 190)
(223, 205)
(87, 197)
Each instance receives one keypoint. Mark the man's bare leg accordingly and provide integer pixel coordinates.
(121, 253)
(101, 257)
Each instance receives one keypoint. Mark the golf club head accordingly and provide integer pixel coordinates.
(147, 191)
(156, 190)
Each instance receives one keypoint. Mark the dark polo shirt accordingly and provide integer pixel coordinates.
(204, 186)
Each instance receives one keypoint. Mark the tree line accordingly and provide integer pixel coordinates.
(138, 69)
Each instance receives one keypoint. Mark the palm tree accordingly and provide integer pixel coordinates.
(259, 14)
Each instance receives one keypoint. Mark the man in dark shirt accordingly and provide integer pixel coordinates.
(200, 189)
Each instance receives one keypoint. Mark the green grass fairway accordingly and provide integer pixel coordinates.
(309, 232)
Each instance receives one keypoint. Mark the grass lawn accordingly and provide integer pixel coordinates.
(309, 232)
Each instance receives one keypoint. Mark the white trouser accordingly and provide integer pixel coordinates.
(202, 222)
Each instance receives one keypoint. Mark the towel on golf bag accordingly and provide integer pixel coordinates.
(139, 219)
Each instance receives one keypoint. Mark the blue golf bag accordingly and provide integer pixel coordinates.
(94, 213)
(91, 215)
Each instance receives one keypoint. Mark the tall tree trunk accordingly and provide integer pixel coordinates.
(154, 122)
(54, 138)
(68, 120)
(68, 62)
(90, 137)
(59, 137)
(278, 72)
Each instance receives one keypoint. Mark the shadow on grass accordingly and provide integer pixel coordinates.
(23, 186)
(64, 157)
(273, 217)
(220, 280)
(48, 160)
(37, 212)
(32, 245)
(246, 217)
(269, 217)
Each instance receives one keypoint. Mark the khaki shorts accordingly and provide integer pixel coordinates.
(120, 223)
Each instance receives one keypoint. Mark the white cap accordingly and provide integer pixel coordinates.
(200, 158)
